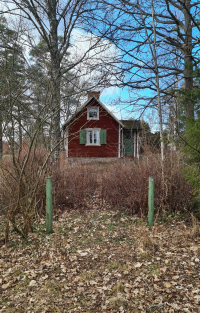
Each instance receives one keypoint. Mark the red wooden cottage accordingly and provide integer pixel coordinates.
(94, 132)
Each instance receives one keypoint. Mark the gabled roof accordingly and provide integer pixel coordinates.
(132, 124)
(85, 104)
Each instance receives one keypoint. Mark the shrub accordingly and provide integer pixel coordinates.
(10, 176)
(73, 185)
(191, 156)
(125, 185)
(22, 188)
(121, 184)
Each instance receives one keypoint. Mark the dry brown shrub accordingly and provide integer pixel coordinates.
(125, 185)
(22, 188)
(195, 227)
(122, 184)
(11, 171)
(74, 185)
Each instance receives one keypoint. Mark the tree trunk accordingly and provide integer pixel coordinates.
(158, 89)
(56, 134)
(152, 47)
(188, 62)
(55, 80)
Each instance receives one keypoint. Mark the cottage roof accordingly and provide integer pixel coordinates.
(132, 124)
(92, 99)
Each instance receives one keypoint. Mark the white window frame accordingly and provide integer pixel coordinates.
(66, 141)
(93, 130)
(93, 118)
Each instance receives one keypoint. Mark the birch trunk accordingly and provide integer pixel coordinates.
(55, 79)
(158, 87)
(156, 71)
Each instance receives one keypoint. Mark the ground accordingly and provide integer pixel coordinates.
(102, 261)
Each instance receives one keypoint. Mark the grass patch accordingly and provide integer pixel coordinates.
(112, 265)
(144, 255)
(54, 286)
(87, 276)
(118, 288)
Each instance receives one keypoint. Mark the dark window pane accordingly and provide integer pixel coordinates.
(93, 113)
(96, 136)
(89, 137)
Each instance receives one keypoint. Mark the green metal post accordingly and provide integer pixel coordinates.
(49, 205)
(151, 201)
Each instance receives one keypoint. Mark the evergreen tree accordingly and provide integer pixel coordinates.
(12, 85)
(191, 138)
(40, 77)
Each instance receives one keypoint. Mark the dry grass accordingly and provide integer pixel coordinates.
(195, 226)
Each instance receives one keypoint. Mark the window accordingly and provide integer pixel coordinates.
(93, 113)
(93, 137)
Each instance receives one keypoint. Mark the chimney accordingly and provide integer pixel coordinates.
(93, 93)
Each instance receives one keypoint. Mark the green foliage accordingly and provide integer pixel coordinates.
(192, 95)
(12, 82)
(40, 74)
(191, 151)
(191, 135)
(145, 126)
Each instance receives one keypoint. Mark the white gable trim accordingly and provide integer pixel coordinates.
(84, 105)
(119, 142)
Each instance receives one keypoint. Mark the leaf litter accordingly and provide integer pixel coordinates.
(102, 261)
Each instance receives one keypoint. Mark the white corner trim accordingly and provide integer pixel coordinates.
(66, 142)
(137, 144)
(122, 142)
(119, 142)
(135, 148)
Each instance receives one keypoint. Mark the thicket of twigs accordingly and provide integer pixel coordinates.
(126, 185)
(22, 188)
(17, 184)
(122, 184)
(73, 185)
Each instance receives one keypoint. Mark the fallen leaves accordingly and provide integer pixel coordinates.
(5, 286)
(33, 283)
(167, 285)
(137, 265)
(101, 262)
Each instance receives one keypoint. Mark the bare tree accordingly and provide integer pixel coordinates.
(152, 48)
(51, 18)
(182, 15)
(177, 46)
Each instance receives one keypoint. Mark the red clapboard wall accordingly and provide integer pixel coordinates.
(106, 121)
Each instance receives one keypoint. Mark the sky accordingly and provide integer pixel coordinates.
(112, 96)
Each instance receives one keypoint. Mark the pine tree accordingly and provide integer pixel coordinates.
(12, 81)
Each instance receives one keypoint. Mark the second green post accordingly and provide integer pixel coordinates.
(151, 201)
(49, 205)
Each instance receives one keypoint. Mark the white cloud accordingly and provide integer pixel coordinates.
(115, 110)
(99, 55)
